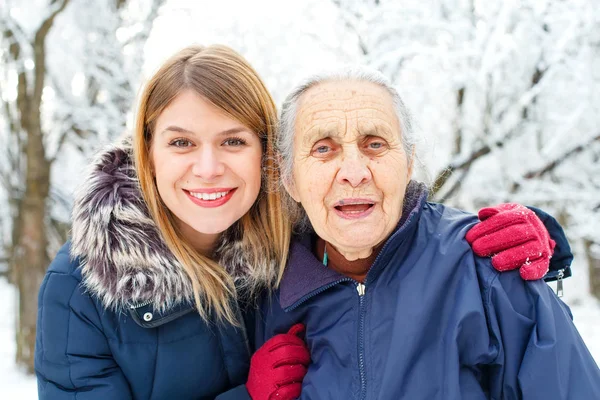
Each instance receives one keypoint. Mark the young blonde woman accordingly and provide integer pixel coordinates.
(137, 304)
(175, 234)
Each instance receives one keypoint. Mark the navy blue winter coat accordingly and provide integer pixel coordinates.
(431, 321)
(85, 351)
(115, 319)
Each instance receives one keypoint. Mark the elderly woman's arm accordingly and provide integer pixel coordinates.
(524, 238)
(540, 354)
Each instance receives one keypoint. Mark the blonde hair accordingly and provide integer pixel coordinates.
(226, 79)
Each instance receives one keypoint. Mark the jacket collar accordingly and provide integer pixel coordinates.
(124, 260)
(306, 276)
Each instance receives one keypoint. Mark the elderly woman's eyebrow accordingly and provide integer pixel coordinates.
(375, 130)
(316, 134)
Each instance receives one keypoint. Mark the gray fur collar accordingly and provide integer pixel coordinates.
(124, 260)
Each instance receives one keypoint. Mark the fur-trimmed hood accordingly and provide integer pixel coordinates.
(124, 259)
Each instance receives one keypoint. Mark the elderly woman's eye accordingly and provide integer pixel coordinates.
(376, 145)
(322, 149)
(181, 143)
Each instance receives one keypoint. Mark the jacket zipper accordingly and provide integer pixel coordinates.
(556, 275)
(361, 288)
(559, 282)
(243, 329)
(140, 305)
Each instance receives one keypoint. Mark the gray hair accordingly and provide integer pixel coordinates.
(287, 120)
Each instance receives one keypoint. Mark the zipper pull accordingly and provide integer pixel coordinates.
(360, 288)
(559, 282)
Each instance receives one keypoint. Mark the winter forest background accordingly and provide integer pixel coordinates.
(506, 95)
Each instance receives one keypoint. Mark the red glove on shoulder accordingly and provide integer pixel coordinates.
(278, 367)
(515, 237)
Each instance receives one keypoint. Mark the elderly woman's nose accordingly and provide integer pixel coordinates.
(354, 170)
(208, 165)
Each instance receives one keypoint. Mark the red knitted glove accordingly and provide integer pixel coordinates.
(278, 367)
(515, 237)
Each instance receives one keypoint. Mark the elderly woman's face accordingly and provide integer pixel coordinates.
(350, 168)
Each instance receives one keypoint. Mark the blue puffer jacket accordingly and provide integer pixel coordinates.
(85, 351)
(115, 319)
(431, 321)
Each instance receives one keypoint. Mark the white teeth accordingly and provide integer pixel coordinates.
(209, 196)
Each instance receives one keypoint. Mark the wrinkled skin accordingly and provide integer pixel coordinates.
(350, 168)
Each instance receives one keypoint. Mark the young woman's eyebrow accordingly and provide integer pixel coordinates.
(175, 128)
(231, 131)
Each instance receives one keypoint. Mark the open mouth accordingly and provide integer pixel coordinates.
(354, 208)
(210, 198)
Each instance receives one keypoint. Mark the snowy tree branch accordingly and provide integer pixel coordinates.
(553, 164)
(39, 54)
(142, 35)
(352, 26)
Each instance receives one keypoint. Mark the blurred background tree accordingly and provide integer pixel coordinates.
(70, 72)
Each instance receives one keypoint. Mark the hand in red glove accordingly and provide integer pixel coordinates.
(278, 367)
(515, 237)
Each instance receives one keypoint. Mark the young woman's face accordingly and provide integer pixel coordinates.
(207, 167)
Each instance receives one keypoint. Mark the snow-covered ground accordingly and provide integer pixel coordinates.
(14, 384)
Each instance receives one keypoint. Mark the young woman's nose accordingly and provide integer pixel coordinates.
(208, 165)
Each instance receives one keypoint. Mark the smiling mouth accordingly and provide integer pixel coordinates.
(209, 196)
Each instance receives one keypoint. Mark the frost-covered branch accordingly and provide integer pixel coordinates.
(556, 161)
(142, 35)
(352, 24)
(39, 51)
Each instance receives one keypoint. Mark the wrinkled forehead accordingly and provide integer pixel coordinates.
(344, 107)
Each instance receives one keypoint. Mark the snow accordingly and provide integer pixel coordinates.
(16, 384)
(492, 51)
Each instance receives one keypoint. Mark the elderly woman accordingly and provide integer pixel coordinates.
(395, 303)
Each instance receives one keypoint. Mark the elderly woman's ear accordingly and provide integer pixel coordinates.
(290, 187)
(286, 179)
(411, 162)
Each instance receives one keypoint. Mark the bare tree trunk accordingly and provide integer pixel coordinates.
(593, 259)
(29, 257)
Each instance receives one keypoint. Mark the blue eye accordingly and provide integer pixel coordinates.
(375, 145)
(322, 149)
(236, 142)
(181, 143)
